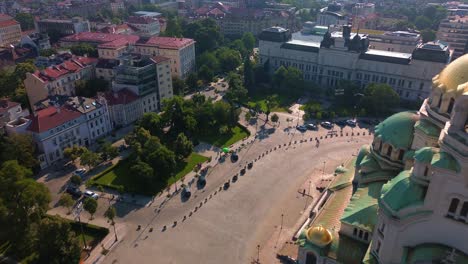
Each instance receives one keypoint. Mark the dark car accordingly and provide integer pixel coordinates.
(301, 128)
(242, 171)
(234, 157)
(250, 165)
(226, 185)
(201, 181)
(341, 123)
(326, 124)
(234, 178)
(186, 192)
(312, 126)
(74, 192)
(365, 121)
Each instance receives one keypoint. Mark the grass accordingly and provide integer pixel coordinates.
(120, 176)
(237, 133)
(280, 102)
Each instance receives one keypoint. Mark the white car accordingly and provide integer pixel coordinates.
(80, 172)
(91, 194)
(351, 122)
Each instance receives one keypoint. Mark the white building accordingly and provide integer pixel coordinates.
(345, 56)
(408, 201)
(61, 122)
(144, 26)
(398, 41)
(124, 107)
(10, 111)
(331, 15)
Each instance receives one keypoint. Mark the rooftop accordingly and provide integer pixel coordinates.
(397, 129)
(51, 117)
(73, 65)
(6, 104)
(123, 96)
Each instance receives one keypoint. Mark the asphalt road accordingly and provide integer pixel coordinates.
(227, 228)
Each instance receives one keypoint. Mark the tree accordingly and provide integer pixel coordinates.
(83, 49)
(428, 35)
(379, 99)
(163, 161)
(248, 116)
(90, 205)
(248, 74)
(66, 201)
(236, 91)
(108, 151)
(21, 69)
(18, 147)
(153, 123)
(90, 88)
(205, 32)
(90, 159)
(183, 147)
(249, 41)
(26, 21)
(422, 22)
(192, 81)
(47, 52)
(238, 46)
(274, 118)
(209, 59)
(74, 152)
(144, 174)
(206, 74)
(75, 179)
(229, 59)
(57, 243)
(110, 214)
(173, 28)
(178, 85)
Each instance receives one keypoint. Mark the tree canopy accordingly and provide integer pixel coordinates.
(379, 99)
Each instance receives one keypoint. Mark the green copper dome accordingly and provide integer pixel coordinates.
(397, 130)
(401, 192)
(437, 158)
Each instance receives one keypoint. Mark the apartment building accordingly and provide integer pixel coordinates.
(124, 107)
(10, 31)
(58, 79)
(62, 26)
(145, 26)
(454, 31)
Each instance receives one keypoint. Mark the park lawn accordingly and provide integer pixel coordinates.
(216, 139)
(281, 102)
(120, 175)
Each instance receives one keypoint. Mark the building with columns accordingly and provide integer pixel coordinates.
(326, 60)
(408, 199)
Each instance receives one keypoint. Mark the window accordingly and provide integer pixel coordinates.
(389, 151)
(450, 107)
(380, 145)
(440, 101)
(401, 153)
(360, 233)
(464, 211)
(377, 249)
(366, 236)
(355, 232)
(453, 207)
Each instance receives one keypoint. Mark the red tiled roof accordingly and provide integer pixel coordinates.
(169, 42)
(158, 59)
(141, 20)
(123, 96)
(51, 117)
(73, 65)
(8, 23)
(4, 17)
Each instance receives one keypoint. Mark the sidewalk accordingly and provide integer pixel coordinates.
(107, 244)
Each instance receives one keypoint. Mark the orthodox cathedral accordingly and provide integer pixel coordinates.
(406, 201)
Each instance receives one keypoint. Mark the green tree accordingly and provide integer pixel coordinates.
(238, 46)
(208, 59)
(428, 35)
(108, 151)
(57, 243)
(274, 118)
(153, 123)
(83, 49)
(90, 205)
(206, 74)
(422, 22)
(47, 52)
(163, 161)
(178, 85)
(74, 152)
(66, 201)
(183, 147)
(110, 214)
(90, 88)
(249, 41)
(144, 174)
(90, 159)
(249, 79)
(229, 59)
(205, 32)
(192, 81)
(26, 21)
(21, 69)
(379, 99)
(173, 28)
(18, 147)
(75, 179)
(236, 91)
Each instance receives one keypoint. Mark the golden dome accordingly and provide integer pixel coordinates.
(319, 235)
(453, 75)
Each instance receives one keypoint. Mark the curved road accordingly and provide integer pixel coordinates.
(227, 228)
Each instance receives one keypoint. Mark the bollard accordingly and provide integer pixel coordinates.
(363, 133)
(346, 133)
(321, 137)
(358, 133)
(352, 134)
(310, 139)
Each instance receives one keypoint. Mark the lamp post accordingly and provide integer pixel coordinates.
(323, 170)
(282, 221)
(258, 254)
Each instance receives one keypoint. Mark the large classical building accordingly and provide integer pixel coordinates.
(454, 31)
(336, 56)
(408, 199)
(181, 51)
(10, 31)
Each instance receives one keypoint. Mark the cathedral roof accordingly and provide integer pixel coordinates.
(401, 192)
(437, 158)
(452, 76)
(434, 253)
(428, 128)
(397, 130)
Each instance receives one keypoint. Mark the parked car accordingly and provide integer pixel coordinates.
(91, 194)
(250, 165)
(80, 172)
(312, 126)
(301, 128)
(234, 157)
(186, 192)
(351, 122)
(74, 192)
(326, 124)
(234, 178)
(341, 123)
(242, 171)
(226, 185)
(365, 121)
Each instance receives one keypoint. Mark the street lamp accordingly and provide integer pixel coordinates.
(258, 253)
(282, 221)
